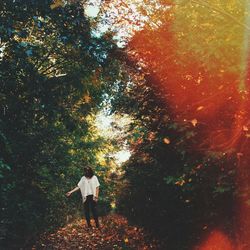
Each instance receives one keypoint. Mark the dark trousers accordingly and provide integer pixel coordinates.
(91, 204)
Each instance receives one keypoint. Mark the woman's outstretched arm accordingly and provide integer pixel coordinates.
(72, 191)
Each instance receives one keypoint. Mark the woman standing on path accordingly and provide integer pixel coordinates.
(89, 186)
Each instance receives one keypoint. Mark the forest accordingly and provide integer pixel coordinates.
(153, 95)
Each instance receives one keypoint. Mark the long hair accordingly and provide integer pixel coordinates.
(88, 172)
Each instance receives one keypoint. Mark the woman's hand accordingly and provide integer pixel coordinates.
(68, 194)
(95, 198)
(72, 191)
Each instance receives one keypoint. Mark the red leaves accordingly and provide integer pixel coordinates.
(115, 233)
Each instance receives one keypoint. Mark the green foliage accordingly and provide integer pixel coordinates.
(53, 75)
(168, 177)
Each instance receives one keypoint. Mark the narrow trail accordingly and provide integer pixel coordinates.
(114, 233)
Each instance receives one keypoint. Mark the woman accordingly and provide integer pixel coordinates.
(89, 186)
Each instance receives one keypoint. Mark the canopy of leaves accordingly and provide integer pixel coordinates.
(185, 96)
(53, 75)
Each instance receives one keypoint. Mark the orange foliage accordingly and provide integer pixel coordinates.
(207, 96)
(190, 89)
(115, 233)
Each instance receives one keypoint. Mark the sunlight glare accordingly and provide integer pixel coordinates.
(92, 11)
(92, 8)
(122, 156)
(103, 122)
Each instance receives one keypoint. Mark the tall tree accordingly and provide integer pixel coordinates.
(193, 57)
(54, 72)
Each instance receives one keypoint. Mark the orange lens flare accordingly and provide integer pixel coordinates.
(201, 84)
(216, 241)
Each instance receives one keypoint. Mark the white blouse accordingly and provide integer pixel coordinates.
(88, 186)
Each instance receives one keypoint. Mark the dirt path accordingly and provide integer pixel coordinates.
(115, 233)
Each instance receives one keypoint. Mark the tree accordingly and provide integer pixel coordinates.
(192, 72)
(53, 75)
